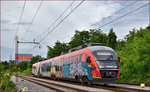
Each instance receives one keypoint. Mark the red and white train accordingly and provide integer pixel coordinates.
(91, 63)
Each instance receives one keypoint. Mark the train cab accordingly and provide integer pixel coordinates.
(106, 64)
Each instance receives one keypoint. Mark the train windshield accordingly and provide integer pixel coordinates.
(106, 59)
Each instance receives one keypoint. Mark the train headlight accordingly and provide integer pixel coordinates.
(101, 66)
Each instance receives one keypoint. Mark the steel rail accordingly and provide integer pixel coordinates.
(96, 86)
(51, 85)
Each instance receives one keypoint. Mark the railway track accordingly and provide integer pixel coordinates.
(62, 85)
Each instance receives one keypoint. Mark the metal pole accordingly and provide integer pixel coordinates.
(16, 57)
(16, 53)
(10, 64)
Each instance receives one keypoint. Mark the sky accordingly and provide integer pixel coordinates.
(87, 14)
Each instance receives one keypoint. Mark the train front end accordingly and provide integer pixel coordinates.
(107, 64)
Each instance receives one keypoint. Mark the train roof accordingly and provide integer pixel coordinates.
(94, 48)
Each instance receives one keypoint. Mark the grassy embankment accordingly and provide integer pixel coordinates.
(6, 85)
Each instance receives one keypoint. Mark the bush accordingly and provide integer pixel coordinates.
(28, 71)
(6, 84)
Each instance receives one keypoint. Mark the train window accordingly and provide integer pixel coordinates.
(76, 59)
(68, 60)
(52, 63)
(50, 66)
(65, 61)
(43, 67)
(80, 58)
(47, 64)
(56, 65)
(72, 59)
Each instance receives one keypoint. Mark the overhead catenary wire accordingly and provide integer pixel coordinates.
(113, 14)
(32, 19)
(20, 17)
(124, 15)
(18, 26)
(57, 24)
(62, 20)
(57, 19)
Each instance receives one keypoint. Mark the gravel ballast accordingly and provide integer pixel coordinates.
(29, 86)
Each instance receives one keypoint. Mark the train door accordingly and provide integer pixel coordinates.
(53, 69)
(40, 70)
(50, 65)
(88, 66)
(57, 68)
(60, 67)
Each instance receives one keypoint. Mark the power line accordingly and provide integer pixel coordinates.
(21, 16)
(113, 14)
(18, 26)
(55, 21)
(62, 20)
(57, 18)
(123, 15)
(36, 46)
(32, 19)
(59, 22)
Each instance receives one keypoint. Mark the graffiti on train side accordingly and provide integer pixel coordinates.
(82, 69)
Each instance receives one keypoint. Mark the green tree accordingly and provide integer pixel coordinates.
(111, 42)
(79, 38)
(134, 64)
(96, 36)
(34, 59)
(6, 85)
(6, 64)
(23, 65)
(57, 49)
(120, 44)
